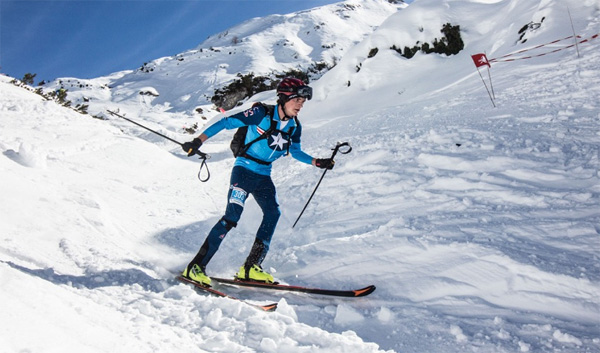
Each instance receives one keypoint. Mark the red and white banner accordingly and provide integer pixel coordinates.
(480, 60)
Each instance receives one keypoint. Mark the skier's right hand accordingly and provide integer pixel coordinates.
(192, 147)
(324, 163)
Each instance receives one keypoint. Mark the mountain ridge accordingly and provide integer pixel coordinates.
(293, 41)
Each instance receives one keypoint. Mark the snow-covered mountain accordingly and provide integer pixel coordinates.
(478, 224)
(263, 46)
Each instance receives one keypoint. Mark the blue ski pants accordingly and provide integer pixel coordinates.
(243, 183)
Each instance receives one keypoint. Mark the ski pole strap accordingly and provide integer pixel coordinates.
(343, 148)
(203, 157)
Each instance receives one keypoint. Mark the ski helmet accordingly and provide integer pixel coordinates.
(291, 87)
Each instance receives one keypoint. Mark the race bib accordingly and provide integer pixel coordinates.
(238, 196)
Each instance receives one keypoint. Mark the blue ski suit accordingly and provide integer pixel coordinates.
(250, 177)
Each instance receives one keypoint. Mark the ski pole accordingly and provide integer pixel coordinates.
(202, 155)
(147, 128)
(335, 151)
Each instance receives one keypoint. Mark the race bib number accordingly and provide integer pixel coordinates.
(238, 196)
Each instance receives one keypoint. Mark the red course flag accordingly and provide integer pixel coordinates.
(480, 60)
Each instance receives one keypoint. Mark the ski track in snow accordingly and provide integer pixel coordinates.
(478, 225)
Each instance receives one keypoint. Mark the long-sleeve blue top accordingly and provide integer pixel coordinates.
(275, 146)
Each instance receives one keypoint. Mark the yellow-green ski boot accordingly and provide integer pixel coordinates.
(254, 273)
(196, 274)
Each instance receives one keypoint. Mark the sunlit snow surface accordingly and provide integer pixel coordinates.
(478, 225)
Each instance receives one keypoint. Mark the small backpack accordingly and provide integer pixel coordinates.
(237, 145)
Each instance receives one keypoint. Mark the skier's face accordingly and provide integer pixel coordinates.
(294, 105)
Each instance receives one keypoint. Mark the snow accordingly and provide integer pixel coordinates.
(478, 225)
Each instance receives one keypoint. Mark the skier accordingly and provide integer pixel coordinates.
(251, 174)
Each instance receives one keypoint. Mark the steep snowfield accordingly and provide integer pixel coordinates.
(479, 225)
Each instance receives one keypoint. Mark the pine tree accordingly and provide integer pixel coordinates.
(455, 42)
(61, 96)
(28, 78)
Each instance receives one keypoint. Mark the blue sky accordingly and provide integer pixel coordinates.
(87, 39)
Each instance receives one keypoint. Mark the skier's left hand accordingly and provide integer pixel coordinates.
(192, 147)
(324, 163)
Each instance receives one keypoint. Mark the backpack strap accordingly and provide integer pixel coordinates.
(290, 133)
(269, 110)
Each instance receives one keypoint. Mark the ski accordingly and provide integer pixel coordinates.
(210, 290)
(276, 286)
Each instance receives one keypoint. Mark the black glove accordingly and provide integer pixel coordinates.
(324, 163)
(192, 147)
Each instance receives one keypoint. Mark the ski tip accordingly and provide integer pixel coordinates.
(269, 307)
(364, 291)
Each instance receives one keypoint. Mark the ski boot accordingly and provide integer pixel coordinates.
(196, 274)
(253, 273)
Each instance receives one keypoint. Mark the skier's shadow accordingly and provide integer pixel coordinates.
(96, 280)
(187, 238)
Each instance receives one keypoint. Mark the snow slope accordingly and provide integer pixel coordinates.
(479, 225)
(84, 264)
